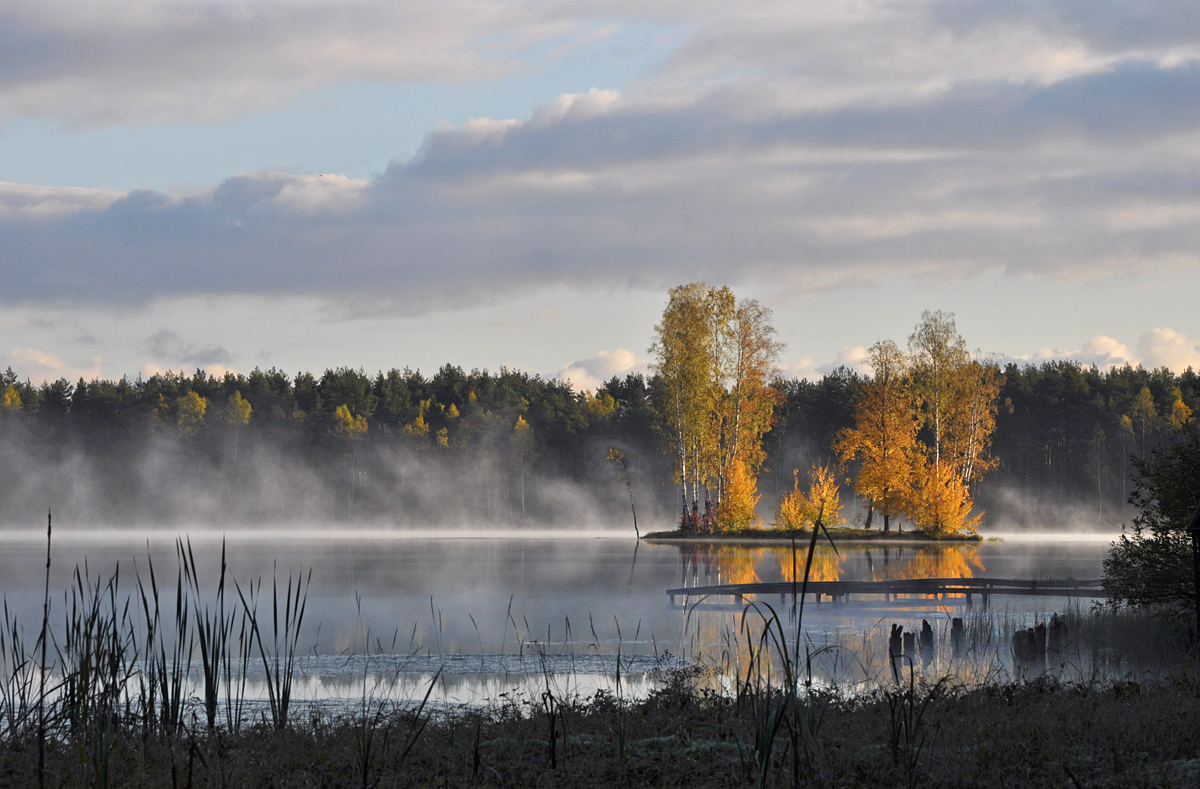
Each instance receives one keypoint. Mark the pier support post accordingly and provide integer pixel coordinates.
(957, 636)
(928, 645)
(896, 650)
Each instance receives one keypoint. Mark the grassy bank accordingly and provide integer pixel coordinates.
(838, 533)
(1028, 734)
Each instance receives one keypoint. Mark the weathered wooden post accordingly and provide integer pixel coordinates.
(957, 636)
(1056, 639)
(1039, 647)
(895, 649)
(1023, 647)
(1193, 529)
(928, 646)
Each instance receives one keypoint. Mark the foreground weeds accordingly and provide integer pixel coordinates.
(1030, 734)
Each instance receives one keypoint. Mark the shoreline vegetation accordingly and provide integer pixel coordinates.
(143, 685)
(1037, 733)
(838, 534)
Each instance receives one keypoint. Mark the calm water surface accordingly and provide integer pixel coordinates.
(495, 614)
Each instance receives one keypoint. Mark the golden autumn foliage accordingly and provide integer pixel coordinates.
(452, 412)
(715, 356)
(522, 437)
(11, 399)
(347, 425)
(189, 414)
(794, 506)
(419, 428)
(822, 502)
(598, 407)
(884, 436)
(939, 501)
(238, 410)
(1142, 416)
(739, 510)
(1178, 413)
(923, 428)
(956, 396)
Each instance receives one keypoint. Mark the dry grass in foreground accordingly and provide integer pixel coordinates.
(1040, 733)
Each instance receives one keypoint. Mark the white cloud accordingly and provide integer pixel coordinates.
(1103, 351)
(1160, 347)
(803, 368)
(906, 140)
(38, 366)
(107, 62)
(854, 357)
(590, 374)
(167, 345)
(150, 369)
(1163, 347)
(32, 202)
(313, 194)
(577, 105)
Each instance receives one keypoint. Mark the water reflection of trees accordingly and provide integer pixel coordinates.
(707, 564)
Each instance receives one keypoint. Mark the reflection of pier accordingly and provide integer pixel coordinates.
(906, 590)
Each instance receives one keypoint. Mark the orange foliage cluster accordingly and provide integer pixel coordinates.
(821, 504)
(923, 428)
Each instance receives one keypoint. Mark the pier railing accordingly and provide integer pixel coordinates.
(905, 589)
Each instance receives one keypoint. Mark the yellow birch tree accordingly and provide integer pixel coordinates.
(716, 358)
(237, 416)
(956, 398)
(523, 446)
(351, 428)
(884, 436)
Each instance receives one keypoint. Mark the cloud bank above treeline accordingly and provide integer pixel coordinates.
(809, 145)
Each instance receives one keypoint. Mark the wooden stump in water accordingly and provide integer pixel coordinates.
(928, 645)
(1056, 638)
(957, 636)
(1029, 649)
(1039, 646)
(896, 650)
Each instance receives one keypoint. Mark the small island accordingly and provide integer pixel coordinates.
(836, 533)
(918, 443)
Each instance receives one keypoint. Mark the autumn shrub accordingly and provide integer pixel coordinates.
(940, 503)
(802, 510)
(739, 510)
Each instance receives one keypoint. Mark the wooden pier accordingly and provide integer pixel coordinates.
(904, 590)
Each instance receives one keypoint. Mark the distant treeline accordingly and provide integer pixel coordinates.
(479, 448)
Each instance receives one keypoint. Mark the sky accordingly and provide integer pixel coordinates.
(319, 183)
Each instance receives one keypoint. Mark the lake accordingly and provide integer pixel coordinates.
(499, 613)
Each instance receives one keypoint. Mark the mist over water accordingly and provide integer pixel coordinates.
(558, 598)
(279, 479)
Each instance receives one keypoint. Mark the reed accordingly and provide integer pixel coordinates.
(279, 662)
